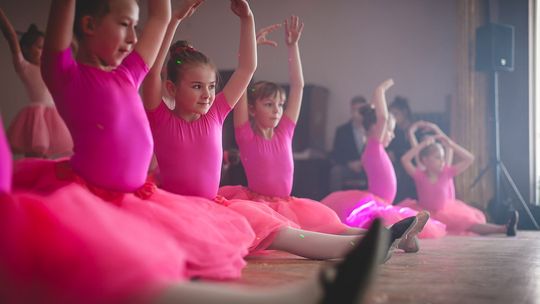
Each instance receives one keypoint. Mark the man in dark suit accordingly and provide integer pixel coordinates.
(349, 141)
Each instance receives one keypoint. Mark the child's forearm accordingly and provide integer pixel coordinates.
(9, 33)
(159, 11)
(379, 102)
(461, 152)
(296, 76)
(59, 34)
(411, 134)
(247, 61)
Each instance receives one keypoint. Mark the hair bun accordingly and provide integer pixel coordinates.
(33, 29)
(180, 47)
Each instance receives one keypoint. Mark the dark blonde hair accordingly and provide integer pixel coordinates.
(28, 39)
(429, 149)
(183, 55)
(369, 117)
(264, 89)
(92, 8)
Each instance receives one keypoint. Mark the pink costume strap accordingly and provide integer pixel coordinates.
(64, 171)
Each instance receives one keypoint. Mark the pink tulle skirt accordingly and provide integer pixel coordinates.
(359, 208)
(39, 130)
(214, 239)
(68, 247)
(457, 215)
(303, 213)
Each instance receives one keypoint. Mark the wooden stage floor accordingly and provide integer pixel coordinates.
(492, 269)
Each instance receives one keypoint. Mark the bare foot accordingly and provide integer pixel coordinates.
(409, 243)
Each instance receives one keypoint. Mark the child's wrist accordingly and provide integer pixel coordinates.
(248, 17)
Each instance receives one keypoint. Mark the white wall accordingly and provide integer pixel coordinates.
(348, 46)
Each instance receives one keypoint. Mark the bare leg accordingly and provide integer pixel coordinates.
(487, 228)
(313, 245)
(345, 283)
(354, 231)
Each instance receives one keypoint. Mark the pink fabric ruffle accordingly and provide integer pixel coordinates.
(359, 208)
(39, 130)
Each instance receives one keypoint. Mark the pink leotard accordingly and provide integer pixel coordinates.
(30, 75)
(433, 195)
(189, 154)
(380, 172)
(268, 162)
(104, 113)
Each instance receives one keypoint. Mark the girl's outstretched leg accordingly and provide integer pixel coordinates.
(346, 282)
(315, 245)
(487, 228)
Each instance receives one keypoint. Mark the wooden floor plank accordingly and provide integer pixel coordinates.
(492, 269)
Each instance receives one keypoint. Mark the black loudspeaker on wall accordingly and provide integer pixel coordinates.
(495, 47)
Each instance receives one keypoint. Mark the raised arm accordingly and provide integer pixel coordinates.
(411, 133)
(293, 31)
(466, 158)
(449, 152)
(381, 109)
(247, 58)
(151, 87)
(159, 15)
(9, 34)
(59, 33)
(241, 109)
(406, 159)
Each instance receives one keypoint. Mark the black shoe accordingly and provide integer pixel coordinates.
(397, 231)
(353, 275)
(511, 227)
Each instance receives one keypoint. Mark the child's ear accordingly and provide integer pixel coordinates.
(251, 110)
(88, 25)
(171, 88)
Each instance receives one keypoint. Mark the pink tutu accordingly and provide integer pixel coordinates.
(264, 221)
(305, 213)
(457, 215)
(71, 248)
(359, 208)
(213, 238)
(39, 130)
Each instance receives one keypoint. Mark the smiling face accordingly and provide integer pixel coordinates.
(110, 38)
(195, 92)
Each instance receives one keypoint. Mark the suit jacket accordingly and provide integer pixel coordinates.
(344, 149)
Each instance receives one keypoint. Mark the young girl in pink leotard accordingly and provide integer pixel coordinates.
(188, 138)
(435, 187)
(37, 130)
(68, 247)
(265, 144)
(97, 95)
(100, 234)
(358, 208)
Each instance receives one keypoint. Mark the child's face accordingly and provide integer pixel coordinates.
(389, 133)
(434, 162)
(195, 92)
(267, 112)
(34, 52)
(114, 35)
